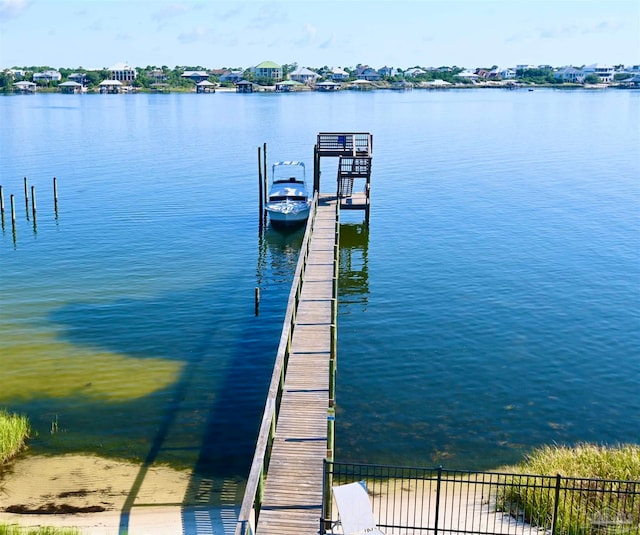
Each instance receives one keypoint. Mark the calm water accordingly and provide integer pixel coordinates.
(492, 306)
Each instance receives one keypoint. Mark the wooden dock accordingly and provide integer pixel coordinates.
(284, 493)
(293, 491)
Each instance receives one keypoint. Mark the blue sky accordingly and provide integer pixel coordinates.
(241, 33)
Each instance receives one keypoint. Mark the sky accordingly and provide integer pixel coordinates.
(242, 33)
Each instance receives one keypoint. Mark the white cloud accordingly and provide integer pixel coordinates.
(170, 11)
(10, 9)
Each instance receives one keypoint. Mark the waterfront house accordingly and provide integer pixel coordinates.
(70, 87)
(468, 75)
(569, 75)
(633, 81)
(47, 76)
(604, 72)
(388, 71)
(25, 87)
(364, 72)
(158, 75)
(78, 77)
(414, 71)
(232, 76)
(268, 69)
(304, 76)
(122, 72)
(339, 75)
(195, 76)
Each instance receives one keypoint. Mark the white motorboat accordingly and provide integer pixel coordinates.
(288, 203)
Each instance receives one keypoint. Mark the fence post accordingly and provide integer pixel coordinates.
(435, 529)
(556, 501)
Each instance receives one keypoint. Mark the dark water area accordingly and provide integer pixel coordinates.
(492, 306)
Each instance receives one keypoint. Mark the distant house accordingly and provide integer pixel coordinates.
(195, 76)
(304, 76)
(232, 76)
(339, 75)
(468, 75)
(569, 75)
(633, 81)
(122, 72)
(78, 77)
(158, 75)
(414, 71)
(388, 71)
(500, 73)
(604, 72)
(367, 73)
(268, 69)
(47, 76)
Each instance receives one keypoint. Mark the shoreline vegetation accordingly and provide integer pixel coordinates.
(14, 432)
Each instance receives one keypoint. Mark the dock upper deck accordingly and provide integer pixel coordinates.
(345, 144)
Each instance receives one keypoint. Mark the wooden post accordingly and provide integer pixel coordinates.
(33, 201)
(331, 422)
(55, 194)
(1, 201)
(26, 191)
(257, 295)
(261, 194)
(265, 178)
(13, 211)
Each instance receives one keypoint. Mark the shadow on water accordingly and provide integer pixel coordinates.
(208, 418)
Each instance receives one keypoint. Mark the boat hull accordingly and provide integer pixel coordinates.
(282, 216)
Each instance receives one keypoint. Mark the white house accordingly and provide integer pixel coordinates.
(47, 76)
(303, 75)
(569, 75)
(123, 73)
(339, 75)
(604, 72)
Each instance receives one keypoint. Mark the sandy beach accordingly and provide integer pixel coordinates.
(105, 497)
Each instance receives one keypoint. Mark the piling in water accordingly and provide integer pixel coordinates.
(33, 201)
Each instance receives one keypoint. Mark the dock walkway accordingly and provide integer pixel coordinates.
(293, 491)
(284, 493)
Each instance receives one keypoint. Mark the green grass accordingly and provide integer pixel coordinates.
(12, 529)
(14, 431)
(599, 496)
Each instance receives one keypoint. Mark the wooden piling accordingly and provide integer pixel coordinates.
(33, 201)
(261, 193)
(265, 174)
(1, 201)
(257, 298)
(26, 191)
(13, 211)
(55, 194)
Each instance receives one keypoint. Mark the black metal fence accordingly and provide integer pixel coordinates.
(411, 501)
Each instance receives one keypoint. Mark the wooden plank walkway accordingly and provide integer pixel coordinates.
(293, 491)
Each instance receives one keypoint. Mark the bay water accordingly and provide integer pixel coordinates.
(491, 307)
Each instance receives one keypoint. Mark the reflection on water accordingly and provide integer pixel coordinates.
(354, 264)
(278, 255)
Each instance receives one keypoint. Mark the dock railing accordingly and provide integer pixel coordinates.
(250, 508)
(345, 144)
(412, 501)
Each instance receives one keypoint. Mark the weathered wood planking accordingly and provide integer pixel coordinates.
(292, 502)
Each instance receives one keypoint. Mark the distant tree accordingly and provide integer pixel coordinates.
(591, 79)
